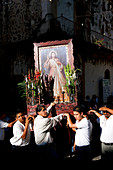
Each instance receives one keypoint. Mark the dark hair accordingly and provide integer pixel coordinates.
(19, 113)
(108, 106)
(78, 109)
(39, 108)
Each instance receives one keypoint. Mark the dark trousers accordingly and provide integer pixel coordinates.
(47, 152)
(83, 153)
(20, 149)
(2, 146)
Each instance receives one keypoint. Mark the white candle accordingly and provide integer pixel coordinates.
(32, 85)
(62, 88)
(69, 82)
(28, 86)
(39, 90)
(26, 79)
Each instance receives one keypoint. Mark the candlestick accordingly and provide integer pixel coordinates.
(32, 93)
(32, 85)
(26, 79)
(63, 91)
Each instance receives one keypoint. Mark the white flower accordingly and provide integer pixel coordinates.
(74, 75)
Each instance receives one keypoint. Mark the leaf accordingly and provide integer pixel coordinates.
(78, 70)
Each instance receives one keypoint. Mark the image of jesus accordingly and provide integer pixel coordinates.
(56, 69)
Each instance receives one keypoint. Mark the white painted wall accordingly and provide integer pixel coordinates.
(93, 74)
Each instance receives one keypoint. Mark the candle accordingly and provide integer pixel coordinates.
(32, 85)
(28, 86)
(69, 82)
(39, 90)
(62, 89)
(26, 79)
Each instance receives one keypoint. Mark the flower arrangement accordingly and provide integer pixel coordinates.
(100, 42)
(30, 84)
(71, 77)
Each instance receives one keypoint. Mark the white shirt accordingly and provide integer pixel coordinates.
(18, 130)
(107, 129)
(83, 132)
(48, 109)
(2, 126)
(42, 128)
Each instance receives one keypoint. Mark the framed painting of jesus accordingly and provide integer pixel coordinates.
(50, 58)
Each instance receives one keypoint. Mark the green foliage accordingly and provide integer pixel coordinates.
(71, 77)
(22, 89)
(34, 81)
(100, 42)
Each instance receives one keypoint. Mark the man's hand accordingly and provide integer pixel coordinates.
(52, 104)
(106, 109)
(28, 118)
(66, 114)
(11, 124)
(103, 108)
(26, 127)
(96, 113)
(90, 112)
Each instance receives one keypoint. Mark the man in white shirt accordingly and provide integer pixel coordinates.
(3, 125)
(106, 137)
(83, 128)
(21, 131)
(43, 138)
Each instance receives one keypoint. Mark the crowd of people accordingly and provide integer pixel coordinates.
(84, 127)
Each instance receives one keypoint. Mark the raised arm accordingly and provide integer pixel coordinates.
(26, 127)
(49, 108)
(71, 125)
(11, 124)
(106, 109)
(49, 123)
(96, 113)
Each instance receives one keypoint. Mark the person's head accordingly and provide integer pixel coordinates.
(78, 112)
(21, 117)
(41, 110)
(53, 55)
(106, 113)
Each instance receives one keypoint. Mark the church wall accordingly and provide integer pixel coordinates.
(102, 22)
(94, 73)
(18, 19)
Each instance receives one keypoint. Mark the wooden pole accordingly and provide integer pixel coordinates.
(32, 94)
(76, 101)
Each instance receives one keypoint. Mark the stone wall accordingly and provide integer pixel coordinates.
(102, 22)
(19, 18)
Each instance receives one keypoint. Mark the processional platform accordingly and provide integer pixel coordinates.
(56, 79)
(59, 108)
